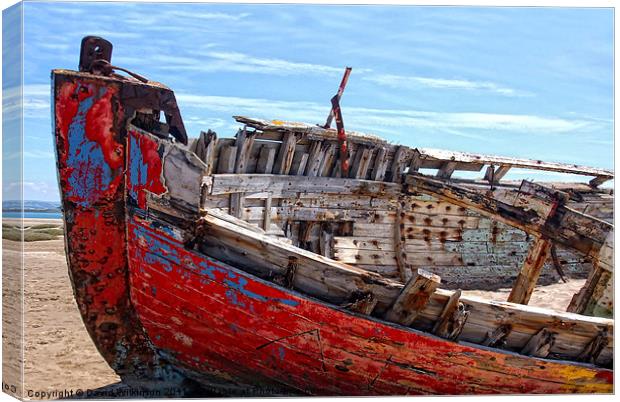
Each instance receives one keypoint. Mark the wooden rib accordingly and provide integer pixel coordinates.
(540, 344)
(497, 338)
(285, 155)
(361, 164)
(381, 163)
(315, 157)
(244, 145)
(328, 161)
(530, 271)
(210, 137)
(443, 324)
(413, 298)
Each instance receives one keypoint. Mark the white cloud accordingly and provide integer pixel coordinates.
(415, 82)
(369, 118)
(241, 62)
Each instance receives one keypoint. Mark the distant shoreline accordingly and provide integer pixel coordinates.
(31, 214)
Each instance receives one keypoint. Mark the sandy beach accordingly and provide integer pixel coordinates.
(59, 354)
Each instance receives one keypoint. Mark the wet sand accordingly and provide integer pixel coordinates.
(59, 354)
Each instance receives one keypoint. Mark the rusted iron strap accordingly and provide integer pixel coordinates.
(342, 138)
(341, 88)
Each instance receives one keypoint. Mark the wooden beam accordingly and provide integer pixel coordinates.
(446, 170)
(300, 164)
(530, 271)
(413, 298)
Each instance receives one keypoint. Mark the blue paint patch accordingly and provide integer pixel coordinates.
(232, 298)
(153, 290)
(89, 175)
(239, 286)
(138, 172)
(210, 269)
(152, 259)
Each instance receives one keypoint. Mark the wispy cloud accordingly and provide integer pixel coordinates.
(416, 82)
(389, 118)
(222, 61)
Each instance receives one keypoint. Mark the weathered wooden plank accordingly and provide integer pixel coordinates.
(284, 160)
(231, 183)
(413, 298)
(540, 344)
(210, 139)
(399, 247)
(315, 157)
(226, 162)
(450, 323)
(236, 204)
(244, 144)
(536, 211)
(381, 164)
(265, 160)
(399, 162)
(464, 157)
(361, 164)
(329, 160)
(528, 276)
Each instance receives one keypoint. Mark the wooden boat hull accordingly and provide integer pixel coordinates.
(212, 319)
(158, 310)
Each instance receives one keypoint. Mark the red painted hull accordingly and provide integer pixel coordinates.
(216, 321)
(166, 312)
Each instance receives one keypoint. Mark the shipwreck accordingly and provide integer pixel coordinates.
(297, 259)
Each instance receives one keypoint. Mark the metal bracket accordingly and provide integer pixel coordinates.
(93, 49)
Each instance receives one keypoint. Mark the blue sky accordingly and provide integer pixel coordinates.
(522, 82)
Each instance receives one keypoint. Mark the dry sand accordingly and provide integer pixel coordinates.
(59, 354)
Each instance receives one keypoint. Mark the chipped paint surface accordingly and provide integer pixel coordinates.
(257, 332)
(140, 291)
(88, 126)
